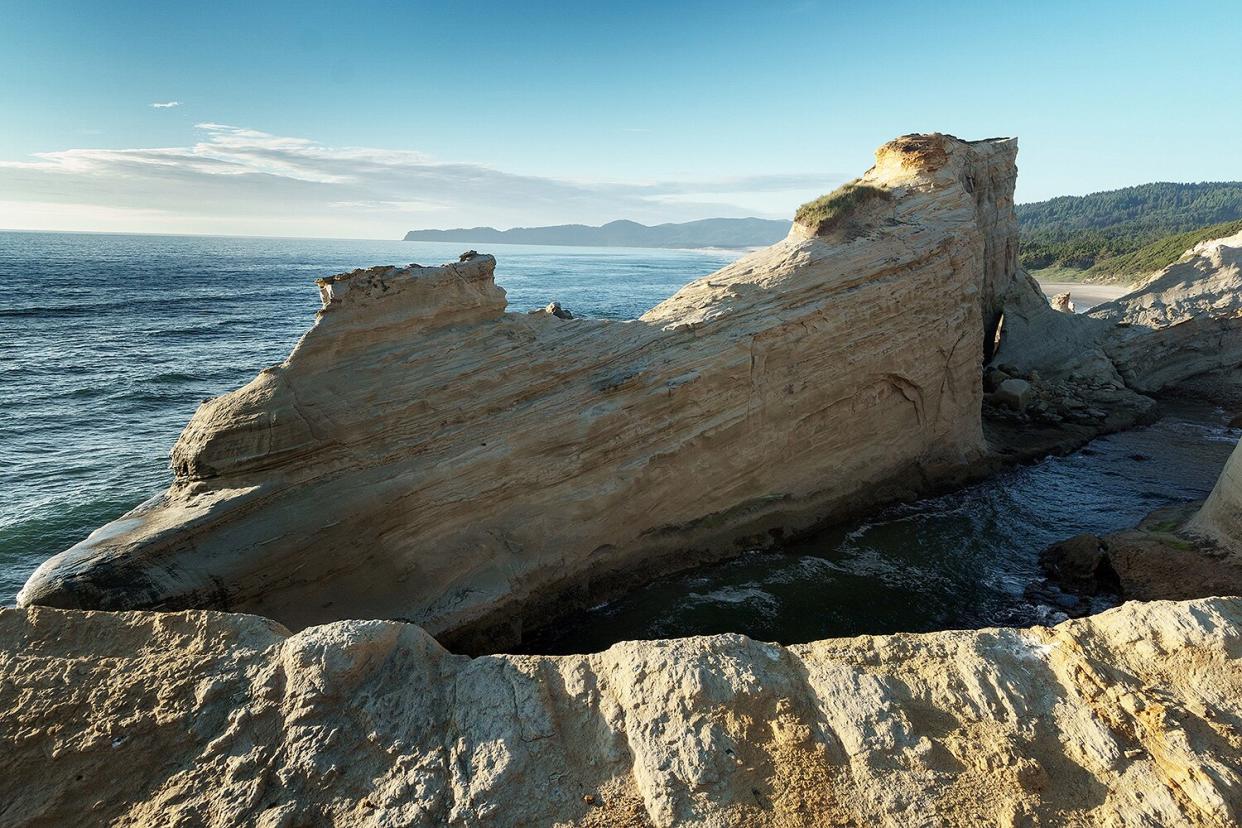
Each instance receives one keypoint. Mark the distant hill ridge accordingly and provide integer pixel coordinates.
(1113, 236)
(712, 232)
(1122, 234)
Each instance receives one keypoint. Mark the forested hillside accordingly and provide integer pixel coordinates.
(1102, 234)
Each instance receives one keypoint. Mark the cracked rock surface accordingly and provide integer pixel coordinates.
(1130, 717)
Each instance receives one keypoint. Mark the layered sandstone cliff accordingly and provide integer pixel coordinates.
(422, 454)
(1127, 718)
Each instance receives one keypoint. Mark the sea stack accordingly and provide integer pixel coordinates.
(423, 454)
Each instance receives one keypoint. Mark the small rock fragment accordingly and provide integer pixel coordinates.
(1014, 393)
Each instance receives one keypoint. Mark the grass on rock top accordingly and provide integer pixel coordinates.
(840, 202)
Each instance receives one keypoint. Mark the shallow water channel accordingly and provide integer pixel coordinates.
(962, 560)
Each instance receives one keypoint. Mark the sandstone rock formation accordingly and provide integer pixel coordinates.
(1130, 717)
(422, 454)
(1160, 559)
(1220, 518)
(1061, 302)
(1181, 331)
(1184, 322)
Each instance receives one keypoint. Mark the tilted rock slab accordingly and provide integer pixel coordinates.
(1131, 717)
(422, 454)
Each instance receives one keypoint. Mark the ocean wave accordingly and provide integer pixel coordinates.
(201, 304)
(173, 378)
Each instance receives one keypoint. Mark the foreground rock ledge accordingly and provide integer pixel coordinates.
(422, 454)
(1130, 717)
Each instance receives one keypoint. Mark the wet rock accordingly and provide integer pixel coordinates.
(556, 310)
(1080, 565)
(1013, 393)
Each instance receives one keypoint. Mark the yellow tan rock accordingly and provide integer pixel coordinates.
(1126, 718)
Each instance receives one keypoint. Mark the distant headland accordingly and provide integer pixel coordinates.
(712, 232)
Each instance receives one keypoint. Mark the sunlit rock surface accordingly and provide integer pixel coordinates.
(198, 718)
(1220, 518)
(422, 454)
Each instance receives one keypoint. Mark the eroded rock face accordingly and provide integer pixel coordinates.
(1184, 322)
(422, 454)
(1181, 331)
(1126, 718)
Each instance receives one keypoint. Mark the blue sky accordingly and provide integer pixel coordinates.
(365, 119)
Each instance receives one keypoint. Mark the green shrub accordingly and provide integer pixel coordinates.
(1161, 253)
(842, 201)
(1088, 232)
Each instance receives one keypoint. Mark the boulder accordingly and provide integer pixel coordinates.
(992, 378)
(1061, 303)
(1014, 393)
(1080, 564)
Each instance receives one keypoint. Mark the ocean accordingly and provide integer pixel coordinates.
(109, 342)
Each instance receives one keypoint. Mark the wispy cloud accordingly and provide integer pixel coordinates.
(165, 104)
(241, 180)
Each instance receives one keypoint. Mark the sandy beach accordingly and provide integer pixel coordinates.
(1085, 296)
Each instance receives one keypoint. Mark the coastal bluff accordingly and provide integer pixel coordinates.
(423, 454)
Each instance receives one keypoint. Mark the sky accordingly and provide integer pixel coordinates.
(364, 120)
